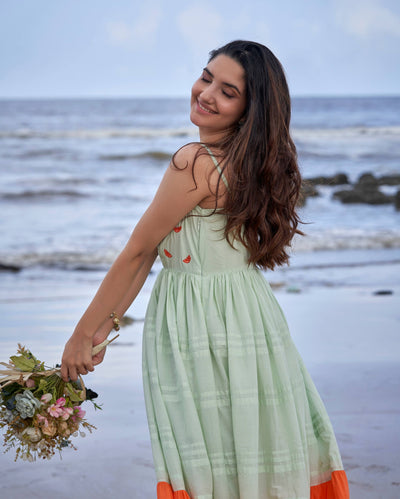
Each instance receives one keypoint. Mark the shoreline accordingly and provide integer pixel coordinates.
(348, 338)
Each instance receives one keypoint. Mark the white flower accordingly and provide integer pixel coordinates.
(32, 434)
(9, 415)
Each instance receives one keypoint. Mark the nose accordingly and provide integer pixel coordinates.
(207, 94)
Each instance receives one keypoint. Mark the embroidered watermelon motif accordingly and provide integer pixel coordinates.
(187, 259)
(178, 228)
(167, 253)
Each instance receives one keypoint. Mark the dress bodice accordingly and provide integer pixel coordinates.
(198, 245)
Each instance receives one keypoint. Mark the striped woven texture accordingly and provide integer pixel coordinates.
(232, 411)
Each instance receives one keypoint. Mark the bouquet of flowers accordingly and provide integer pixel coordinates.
(39, 410)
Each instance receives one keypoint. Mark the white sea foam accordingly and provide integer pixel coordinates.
(102, 133)
(341, 239)
(346, 132)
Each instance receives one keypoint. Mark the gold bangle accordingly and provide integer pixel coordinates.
(115, 320)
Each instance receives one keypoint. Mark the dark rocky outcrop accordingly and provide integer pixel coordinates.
(338, 179)
(397, 201)
(5, 267)
(307, 190)
(366, 190)
(389, 179)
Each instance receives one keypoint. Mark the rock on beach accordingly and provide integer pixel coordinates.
(366, 190)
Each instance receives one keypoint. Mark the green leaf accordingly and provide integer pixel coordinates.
(41, 388)
(96, 406)
(22, 363)
(73, 394)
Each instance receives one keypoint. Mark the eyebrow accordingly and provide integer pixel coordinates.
(224, 82)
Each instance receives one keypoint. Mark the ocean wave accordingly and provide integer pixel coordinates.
(63, 260)
(102, 133)
(30, 195)
(43, 153)
(157, 155)
(347, 132)
(305, 154)
(336, 240)
(101, 260)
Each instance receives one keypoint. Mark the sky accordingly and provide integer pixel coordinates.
(130, 48)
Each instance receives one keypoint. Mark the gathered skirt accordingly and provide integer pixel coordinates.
(232, 410)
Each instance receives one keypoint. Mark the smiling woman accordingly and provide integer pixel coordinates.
(232, 411)
(218, 98)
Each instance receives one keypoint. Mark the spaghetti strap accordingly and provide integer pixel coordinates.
(217, 166)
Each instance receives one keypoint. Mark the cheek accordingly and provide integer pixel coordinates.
(196, 89)
(234, 111)
(240, 110)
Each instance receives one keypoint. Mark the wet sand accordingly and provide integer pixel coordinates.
(348, 336)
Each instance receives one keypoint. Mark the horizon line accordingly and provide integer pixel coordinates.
(112, 97)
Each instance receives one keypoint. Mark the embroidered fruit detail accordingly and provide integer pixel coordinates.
(178, 228)
(187, 259)
(167, 253)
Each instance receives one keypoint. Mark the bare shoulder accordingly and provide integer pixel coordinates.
(194, 158)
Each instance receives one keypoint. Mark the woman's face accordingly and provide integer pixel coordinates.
(218, 97)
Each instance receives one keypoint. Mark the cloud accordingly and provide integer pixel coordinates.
(138, 34)
(119, 32)
(201, 27)
(367, 18)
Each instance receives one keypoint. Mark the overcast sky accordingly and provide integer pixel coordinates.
(96, 48)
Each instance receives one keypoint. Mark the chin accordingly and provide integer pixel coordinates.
(195, 118)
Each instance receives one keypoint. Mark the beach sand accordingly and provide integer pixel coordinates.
(347, 336)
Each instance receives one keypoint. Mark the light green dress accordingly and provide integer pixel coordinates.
(232, 411)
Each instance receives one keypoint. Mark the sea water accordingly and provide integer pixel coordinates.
(77, 174)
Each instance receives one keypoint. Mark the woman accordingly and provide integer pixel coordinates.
(232, 411)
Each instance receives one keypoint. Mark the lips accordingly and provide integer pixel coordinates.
(204, 108)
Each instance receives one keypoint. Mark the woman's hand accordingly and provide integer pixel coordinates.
(98, 338)
(77, 357)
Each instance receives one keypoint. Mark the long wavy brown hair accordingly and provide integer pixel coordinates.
(264, 178)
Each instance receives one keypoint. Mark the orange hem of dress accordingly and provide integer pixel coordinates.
(165, 491)
(336, 488)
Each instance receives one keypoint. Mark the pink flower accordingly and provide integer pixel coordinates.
(46, 398)
(60, 402)
(55, 411)
(29, 383)
(67, 412)
(43, 420)
(78, 413)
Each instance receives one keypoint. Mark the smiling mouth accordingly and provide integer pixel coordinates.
(205, 109)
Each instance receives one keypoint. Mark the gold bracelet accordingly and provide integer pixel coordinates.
(115, 320)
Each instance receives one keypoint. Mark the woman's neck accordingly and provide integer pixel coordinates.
(212, 136)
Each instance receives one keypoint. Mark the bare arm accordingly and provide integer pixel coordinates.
(176, 196)
(104, 330)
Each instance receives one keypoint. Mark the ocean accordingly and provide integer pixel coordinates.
(76, 175)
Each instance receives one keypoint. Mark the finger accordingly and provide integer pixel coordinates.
(97, 359)
(73, 373)
(89, 365)
(64, 373)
